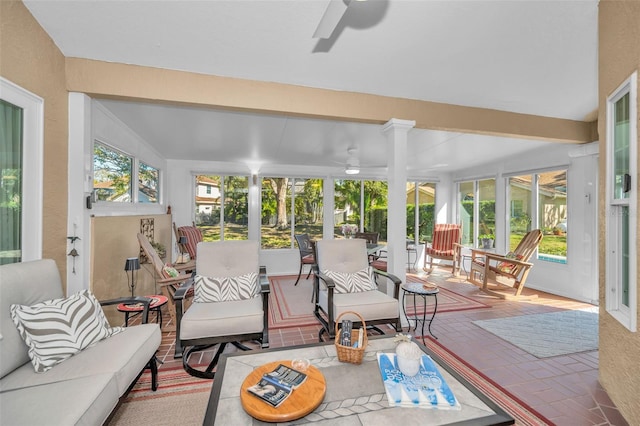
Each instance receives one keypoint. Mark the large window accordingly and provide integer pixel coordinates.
(477, 211)
(422, 195)
(521, 209)
(552, 215)
(290, 206)
(363, 203)
(222, 207)
(622, 217)
(539, 201)
(114, 174)
(148, 183)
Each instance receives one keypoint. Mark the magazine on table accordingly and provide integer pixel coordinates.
(427, 389)
(275, 386)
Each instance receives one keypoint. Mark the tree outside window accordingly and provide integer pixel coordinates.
(111, 174)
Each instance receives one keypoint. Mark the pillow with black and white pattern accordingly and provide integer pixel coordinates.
(224, 289)
(54, 330)
(355, 282)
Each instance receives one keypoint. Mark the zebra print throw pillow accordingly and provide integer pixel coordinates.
(224, 289)
(352, 282)
(54, 330)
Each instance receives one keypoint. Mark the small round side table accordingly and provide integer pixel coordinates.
(157, 302)
(424, 291)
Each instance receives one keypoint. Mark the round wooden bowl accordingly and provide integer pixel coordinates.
(302, 401)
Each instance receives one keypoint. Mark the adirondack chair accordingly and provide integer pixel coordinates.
(168, 277)
(505, 276)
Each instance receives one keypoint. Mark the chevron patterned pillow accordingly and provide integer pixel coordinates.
(224, 289)
(352, 282)
(54, 330)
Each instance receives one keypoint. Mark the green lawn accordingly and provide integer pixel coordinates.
(273, 238)
(550, 244)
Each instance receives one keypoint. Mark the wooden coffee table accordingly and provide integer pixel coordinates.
(302, 400)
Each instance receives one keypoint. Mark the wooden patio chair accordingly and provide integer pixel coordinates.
(193, 236)
(446, 244)
(163, 276)
(505, 276)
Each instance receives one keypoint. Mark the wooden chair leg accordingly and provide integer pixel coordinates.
(171, 305)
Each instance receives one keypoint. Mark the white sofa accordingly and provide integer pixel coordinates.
(83, 389)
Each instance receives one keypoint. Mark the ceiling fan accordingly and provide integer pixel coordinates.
(332, 16)
(352, 167)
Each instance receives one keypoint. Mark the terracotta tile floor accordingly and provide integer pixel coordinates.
(564, 389)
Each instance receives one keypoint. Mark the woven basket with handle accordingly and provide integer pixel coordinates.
(349, 353)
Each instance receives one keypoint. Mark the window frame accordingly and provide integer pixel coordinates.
(134, 201)
(476, 208)
(626, 315)
(223, 200)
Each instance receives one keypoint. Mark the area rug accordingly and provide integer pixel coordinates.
(290, 306)
(180, 399)
(550, 334)
(448, 301)
(521, 412)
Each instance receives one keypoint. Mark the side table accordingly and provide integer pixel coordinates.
(157, 302)
(424, 291)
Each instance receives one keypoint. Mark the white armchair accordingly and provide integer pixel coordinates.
(345, 282)
(230, 302)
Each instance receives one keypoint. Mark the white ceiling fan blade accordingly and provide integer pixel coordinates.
(333, 14)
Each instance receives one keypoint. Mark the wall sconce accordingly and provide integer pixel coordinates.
(131, 266)
(254, 178)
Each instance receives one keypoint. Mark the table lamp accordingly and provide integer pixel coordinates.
(182, 242)
(131, 266)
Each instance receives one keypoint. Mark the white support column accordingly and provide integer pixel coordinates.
(328, 189)
(80, 185)
(396, 132)
(255, 213)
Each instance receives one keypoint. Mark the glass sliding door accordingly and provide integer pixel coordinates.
(487, 208)
(11, 123)
(521, 210)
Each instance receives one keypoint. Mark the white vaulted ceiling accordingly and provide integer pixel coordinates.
(533, 57)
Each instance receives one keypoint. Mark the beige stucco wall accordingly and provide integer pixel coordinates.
(619, 56)
(114, 80)
(30, 59)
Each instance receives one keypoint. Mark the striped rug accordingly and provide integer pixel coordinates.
(180, 399)
(521, 412)
(290, 306)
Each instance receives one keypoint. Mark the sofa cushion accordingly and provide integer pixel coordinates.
(371, 305)
(81, 401)
(123, 355)
(225, 289)
(227, 318)
(56, 329)
(25, 283)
